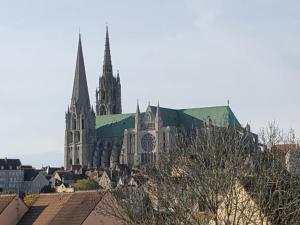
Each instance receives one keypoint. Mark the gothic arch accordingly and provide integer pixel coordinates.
(103, 110)
(148, 117)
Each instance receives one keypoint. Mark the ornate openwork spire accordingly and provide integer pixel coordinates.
(107, 67)
(108, 95)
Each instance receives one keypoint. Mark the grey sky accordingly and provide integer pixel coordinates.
(189, 53)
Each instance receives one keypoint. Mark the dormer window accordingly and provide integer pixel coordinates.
(10, 167)
(2, 167)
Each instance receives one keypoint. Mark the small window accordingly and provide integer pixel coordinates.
(77, 161)
(70, 161)
(143, 158)
(74, 124)
(102, 95)
(10, 167)
(70, 137)
(82, 124)
(148, 117)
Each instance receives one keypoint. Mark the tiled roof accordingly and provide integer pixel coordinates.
(67, 175)
(5, 200)
(30, 174)
(52, 170)
(26, 167)
(78, 208)
(220, 116)
(44, 209)
(6, 163)
(62, 208)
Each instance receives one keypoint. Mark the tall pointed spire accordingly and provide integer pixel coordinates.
(80, 122)
(137, 107)
(108, 95)
(107, 67)
(80, 95)
(137, 116)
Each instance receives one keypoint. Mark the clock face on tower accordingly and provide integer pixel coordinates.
(148, 142)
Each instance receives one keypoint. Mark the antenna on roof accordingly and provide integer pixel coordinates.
(228, 102)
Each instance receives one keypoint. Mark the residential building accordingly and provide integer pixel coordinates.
(34, 181)
(11, 175)
(64, 188)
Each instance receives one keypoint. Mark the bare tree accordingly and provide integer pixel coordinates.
(215, 176)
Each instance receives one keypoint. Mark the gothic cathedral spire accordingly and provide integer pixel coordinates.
(107, 67)
(80, 120)
(80, 96)
(108, 94)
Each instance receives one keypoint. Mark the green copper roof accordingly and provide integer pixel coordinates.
(221, 116)
(169, 117)
(114, 125)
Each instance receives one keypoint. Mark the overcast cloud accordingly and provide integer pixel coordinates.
(184, 53)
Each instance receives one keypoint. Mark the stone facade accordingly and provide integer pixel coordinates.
(144, 143)
(110, 137)
(108, 94)
(80, 120)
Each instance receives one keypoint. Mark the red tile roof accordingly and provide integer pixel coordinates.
(285, 148)
(44, 209)
(78, 208)
(62, 208)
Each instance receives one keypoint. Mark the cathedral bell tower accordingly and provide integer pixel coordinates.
(80, 120)
(108, 94)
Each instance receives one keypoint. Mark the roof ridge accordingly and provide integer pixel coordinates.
(105, 192)
(56, 193)
(118, 114)
(206, 107)
(89, 191)
(7, 195)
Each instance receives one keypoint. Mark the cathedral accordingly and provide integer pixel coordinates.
(103, 136)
